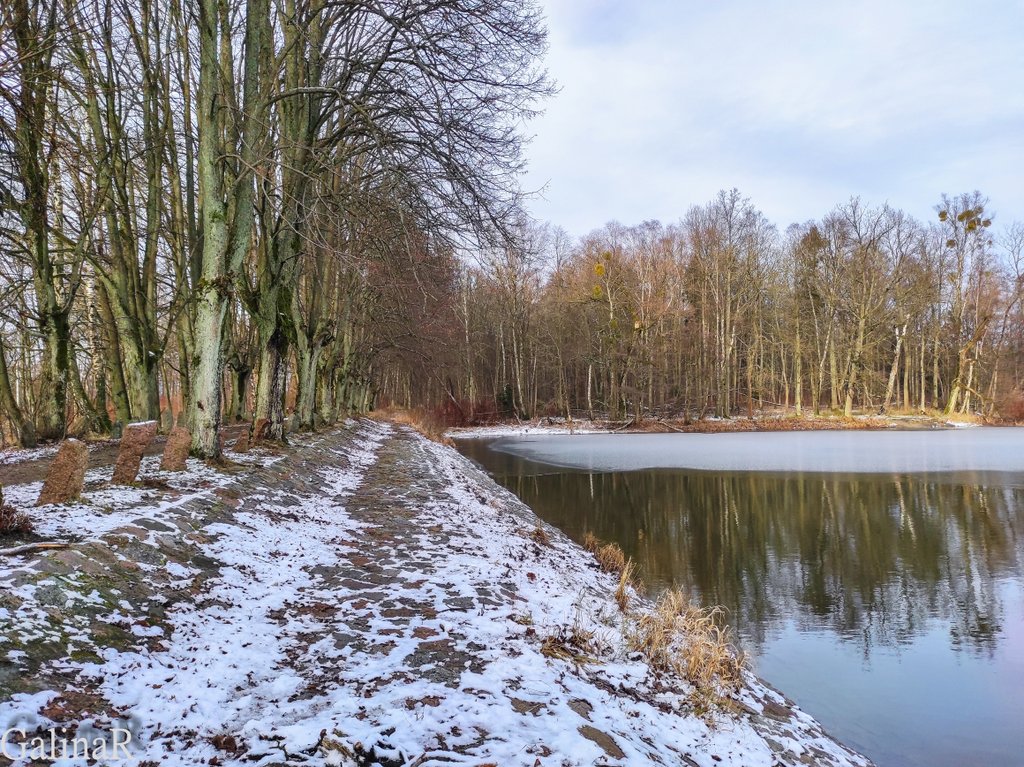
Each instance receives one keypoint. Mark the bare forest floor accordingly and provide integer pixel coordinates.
(362, 596)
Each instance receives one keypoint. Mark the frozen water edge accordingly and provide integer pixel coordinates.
(444, 668)
(980, 449)
(516, 430)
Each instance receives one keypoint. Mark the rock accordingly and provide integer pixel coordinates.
(604, 740)
(581, 707)
(179, 442)
(136, 439)
(66, 476)
(521, 706)
(242, 443)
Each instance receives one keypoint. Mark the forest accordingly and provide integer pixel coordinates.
(285, 212)
(720, 313)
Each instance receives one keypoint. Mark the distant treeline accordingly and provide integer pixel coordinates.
(865, 309)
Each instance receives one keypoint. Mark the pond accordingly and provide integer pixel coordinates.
(877, 578)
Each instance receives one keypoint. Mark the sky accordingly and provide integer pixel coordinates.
(800, 104)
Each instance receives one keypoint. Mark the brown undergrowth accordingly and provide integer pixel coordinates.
(685, 640)
(13, 522)
(426, 423)
(608, 555)
(677, 637)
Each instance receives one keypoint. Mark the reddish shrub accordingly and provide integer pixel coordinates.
(1011, 406)
(13, 522)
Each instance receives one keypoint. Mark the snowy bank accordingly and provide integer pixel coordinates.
(368, 598)
(560, 427)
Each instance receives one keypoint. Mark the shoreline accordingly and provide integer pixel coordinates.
(774, 422)
(362, 596)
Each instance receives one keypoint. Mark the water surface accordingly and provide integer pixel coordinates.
(940, 450)
(889, 604)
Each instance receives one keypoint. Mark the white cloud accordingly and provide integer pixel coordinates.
(800, 105)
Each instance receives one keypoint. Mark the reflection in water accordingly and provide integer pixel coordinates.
(920, 577)
(872, 558)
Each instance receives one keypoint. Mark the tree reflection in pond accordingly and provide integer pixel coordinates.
(870, 557)
(919, 577)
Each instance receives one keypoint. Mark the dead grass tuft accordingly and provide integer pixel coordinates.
(627, 584)
(426, 423)
(13, 522)
(540, 536)
(611, 558)
(226, 742)
(689, 641)
(572, 643)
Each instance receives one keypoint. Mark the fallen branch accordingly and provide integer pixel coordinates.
(28, 548)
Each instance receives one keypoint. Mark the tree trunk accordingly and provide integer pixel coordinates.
(894, 368)
(9, 403)
(223, 247)
(798, 373)
(204, 408)
(270, 388)
(856, 360)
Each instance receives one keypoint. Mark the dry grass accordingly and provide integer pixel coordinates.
(611, 558)
(964, 418)
(427, 424)
(788, 420)
(678, 639)
(683, 639)
(787, 423)
(540, 536)
(627, 584)
(572, 643)
(13, 522)
(523, 619)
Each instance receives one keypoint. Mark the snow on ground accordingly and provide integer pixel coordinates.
(377, 599)
(533, 428)
(105, 507)
(13, 455)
